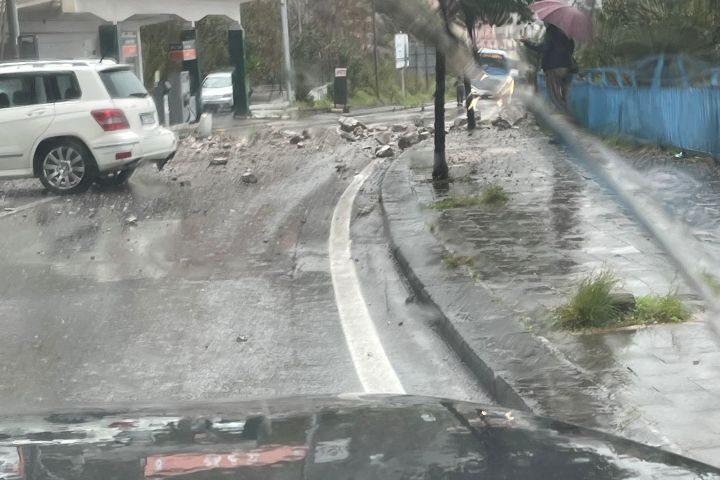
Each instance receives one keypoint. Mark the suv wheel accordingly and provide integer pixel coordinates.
(114, 179)
(66, 166)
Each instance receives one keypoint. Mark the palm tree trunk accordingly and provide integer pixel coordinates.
(440, 167)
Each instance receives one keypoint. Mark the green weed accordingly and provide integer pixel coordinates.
(494, 195)
(457, 202)
(591, 305)
(452, 260)
(659, 309)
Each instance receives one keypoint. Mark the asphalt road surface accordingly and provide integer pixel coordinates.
(191, 284)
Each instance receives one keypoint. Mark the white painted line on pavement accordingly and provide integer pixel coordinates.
(26, 206)
(372, 365)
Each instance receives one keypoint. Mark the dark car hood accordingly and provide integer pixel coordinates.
(351, 436)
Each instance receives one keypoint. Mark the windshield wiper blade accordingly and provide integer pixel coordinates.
(139, 94)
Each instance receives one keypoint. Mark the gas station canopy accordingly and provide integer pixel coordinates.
(119, 11)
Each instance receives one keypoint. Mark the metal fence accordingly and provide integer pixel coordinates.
(667, 100)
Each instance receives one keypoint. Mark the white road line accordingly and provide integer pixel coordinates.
(372, 365)
(26, 206)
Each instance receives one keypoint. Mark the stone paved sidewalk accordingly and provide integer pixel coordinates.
(659, 385)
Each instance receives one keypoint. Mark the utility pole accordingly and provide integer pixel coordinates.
(377, 80)
(13, 29)
(286, 49)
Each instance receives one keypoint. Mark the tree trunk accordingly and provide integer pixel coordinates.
(440, 167)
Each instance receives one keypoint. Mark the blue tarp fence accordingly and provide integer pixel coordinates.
(655, 100)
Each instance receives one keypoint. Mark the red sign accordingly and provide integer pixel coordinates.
(182, 51)
(184, 463)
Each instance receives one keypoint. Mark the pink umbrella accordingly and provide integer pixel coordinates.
(575, 23)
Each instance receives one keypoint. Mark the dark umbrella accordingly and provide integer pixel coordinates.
(573, 22)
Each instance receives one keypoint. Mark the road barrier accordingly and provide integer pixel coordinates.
(668, 100)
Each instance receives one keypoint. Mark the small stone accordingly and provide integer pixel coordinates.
(384, 151)
(300, 145)
(501, 124)
(425, 135)
(348, 136)
(383, 138)
(306, 134)
(217, 161)
(248, 177)
(185, 183)
(460, 122)
(131, 220)
(348, 124)
(241, 339)
(296, 139)
(226, 146)
(408, 140)
(623, 302)
(399, 127)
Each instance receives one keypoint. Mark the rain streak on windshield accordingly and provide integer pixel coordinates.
(339, 210)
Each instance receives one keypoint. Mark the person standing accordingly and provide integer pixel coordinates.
(460, 91)
(556, 59)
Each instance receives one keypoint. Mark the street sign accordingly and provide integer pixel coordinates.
(341, 72)
(402, 50)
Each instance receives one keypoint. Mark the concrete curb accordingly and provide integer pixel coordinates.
(497, 386)
(518, 368)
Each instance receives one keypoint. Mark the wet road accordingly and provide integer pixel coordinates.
(190, 284)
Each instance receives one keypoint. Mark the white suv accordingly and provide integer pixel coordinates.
(72, 123)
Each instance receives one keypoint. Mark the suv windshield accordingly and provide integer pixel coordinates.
(122, 84)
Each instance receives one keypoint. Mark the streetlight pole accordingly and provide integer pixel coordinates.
(377, 81)
(13, 28)
(286, 49)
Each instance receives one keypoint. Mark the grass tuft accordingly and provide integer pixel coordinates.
(591, 305)
(494, 195)
(454, 261)
(457, 202)
(660, 309)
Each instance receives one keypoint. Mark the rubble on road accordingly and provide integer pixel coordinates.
(408, 140)
(384, 151)
(399, 127)
(218, 161)
(248, 177)
(514, 114)
(295, 139)
(383, 138)
(424, 135)
(459, 122)
(348, 136)
(349, 124)
(131, 220)
(501, 123)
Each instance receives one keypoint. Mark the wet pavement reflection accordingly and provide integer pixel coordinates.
(558, 226)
